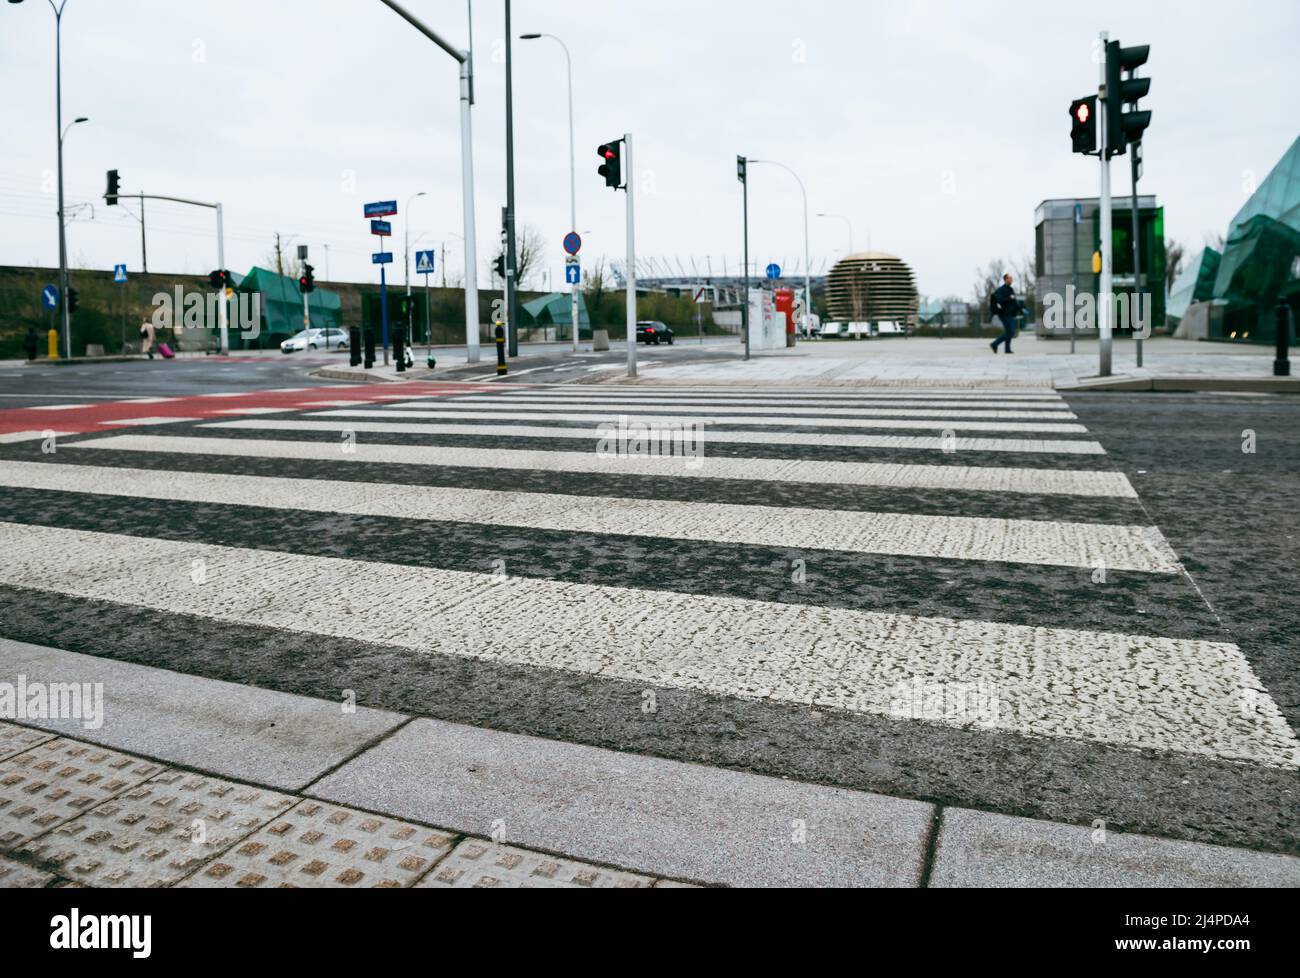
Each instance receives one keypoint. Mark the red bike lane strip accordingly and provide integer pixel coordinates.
(107, 415)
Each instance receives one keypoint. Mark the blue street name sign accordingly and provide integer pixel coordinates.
(50, 298)
(774, 271)
(382, 208)
(382, 258)
(425, 262)
(381, 228)
(573, 274)
(119, 274)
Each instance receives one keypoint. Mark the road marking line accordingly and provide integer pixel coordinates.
(1134, 691)
(713, 436)
(146, 421)
(19, 436)
(598, 417)
(1052, 543)
(883, 474)
(1053, 411)
(635, 407)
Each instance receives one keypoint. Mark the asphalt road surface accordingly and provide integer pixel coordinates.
(1074, 609)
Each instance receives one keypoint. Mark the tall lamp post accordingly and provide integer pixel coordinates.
(407, 260)
(58, 110)
(807, 270)
(573, 179)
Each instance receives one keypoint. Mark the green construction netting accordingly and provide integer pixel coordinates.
(282, 303)
(556, 309)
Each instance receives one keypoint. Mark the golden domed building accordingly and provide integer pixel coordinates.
(872, 287)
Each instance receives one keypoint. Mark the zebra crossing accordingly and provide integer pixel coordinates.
(966, 593)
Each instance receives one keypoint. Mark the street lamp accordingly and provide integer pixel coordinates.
(407, 260)
(807, 271)
(573, 180)
(841, 217)
(58, 110)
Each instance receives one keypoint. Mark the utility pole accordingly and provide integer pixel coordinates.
(1105, 302)
(631, 257)
(279, 257)
(1135, 168)
(742, 173)
(512, 267)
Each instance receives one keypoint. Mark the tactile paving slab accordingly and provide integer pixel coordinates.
(14, 876)
(58, 780)
(158, 833)
(15, 739)
(316, 844)
(483, 865)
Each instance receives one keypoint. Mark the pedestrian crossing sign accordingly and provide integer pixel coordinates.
(424, 262)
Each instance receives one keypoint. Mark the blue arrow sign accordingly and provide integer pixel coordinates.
(382, 208)
(774, 271)
(573, 274)
(382, 258)
(119, 274)
(425, 262)
(381, 228)
(50, 298)
(573, 242)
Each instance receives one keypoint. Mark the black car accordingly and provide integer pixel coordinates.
(654, 332)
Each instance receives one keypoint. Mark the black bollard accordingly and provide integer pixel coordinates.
(354, 346)
(1282, 365)
(399, 347)
(369, 342)
(502, 369)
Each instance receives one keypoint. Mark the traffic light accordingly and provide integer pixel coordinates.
(1083, 124)
(114, 187)
(1123, 127)
(307, 282)
(612, 168)
(74, 299)
(742, 169)
(216, 279)
(499, 266)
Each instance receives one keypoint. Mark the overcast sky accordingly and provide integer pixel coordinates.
(936, 128)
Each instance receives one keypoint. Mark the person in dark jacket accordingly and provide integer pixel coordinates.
(31, 343)
(1006, 307)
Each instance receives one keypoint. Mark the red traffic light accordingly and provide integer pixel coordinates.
(1082, 112)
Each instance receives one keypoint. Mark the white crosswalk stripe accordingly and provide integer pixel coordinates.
(974, 478)
(596, 417)
(1141, 692)
(1033, 446)
(1192, 696)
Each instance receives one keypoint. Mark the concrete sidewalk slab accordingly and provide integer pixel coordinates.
(483, 865)
(978, 849)
(657, 817)
(275, 739)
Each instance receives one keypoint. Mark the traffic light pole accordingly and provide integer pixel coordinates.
(1105, 303)
(512, 267)
(1134, 312)
(629, 174)
(744, 311)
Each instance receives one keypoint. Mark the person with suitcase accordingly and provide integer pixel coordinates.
(146, 337)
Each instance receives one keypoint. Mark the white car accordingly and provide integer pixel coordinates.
(316, 339)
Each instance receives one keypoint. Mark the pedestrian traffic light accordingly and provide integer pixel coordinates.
(114, 186)
(499, 266)
(1124, 127)
(74, 299)
(1083, 124)
(612, 168)
(307, 282)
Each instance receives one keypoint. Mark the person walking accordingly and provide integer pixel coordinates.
(31, 343)
(1006, 307)
(146, 336)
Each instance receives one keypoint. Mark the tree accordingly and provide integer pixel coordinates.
(595, 288)
(530, 253)
(987, 281)
(1175, 252)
